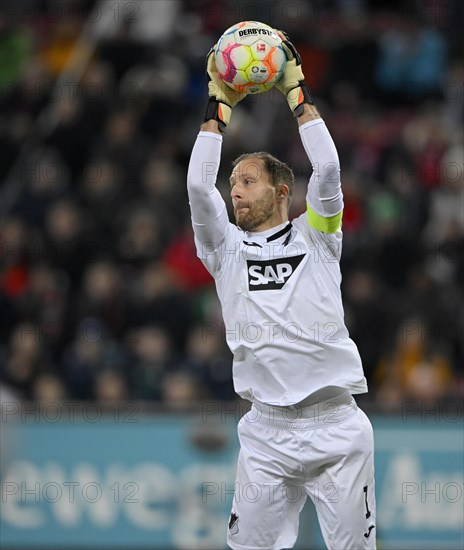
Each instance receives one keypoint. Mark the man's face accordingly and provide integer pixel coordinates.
(253, 194)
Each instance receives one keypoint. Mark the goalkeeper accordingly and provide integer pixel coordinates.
(279, 286)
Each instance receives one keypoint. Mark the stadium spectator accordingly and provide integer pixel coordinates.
(99, 281)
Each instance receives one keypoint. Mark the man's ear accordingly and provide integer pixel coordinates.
(282, 191)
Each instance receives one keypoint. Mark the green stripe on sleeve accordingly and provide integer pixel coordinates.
(327, 225)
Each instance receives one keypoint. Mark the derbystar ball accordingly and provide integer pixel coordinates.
(250, 58)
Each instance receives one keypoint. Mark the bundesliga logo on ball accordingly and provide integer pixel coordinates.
(250, 58)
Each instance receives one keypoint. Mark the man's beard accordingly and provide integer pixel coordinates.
(258, 213)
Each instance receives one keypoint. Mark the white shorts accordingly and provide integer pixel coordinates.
(324, 451)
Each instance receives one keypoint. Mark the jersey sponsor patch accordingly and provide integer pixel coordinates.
(271, 274)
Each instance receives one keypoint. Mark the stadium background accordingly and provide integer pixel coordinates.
(106, 312)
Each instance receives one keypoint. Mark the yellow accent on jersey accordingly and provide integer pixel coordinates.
(327, 225)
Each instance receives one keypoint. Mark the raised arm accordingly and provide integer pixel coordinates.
(324, 197)
(209, 213)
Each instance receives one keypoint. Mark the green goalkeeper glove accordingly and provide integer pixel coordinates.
(221, 97)
(292, 83)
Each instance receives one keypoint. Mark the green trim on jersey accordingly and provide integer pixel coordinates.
(327, 225)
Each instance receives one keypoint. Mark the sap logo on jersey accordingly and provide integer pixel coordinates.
(271, 274)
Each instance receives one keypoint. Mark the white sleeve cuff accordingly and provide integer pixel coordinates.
(210, 135)
(303, 127)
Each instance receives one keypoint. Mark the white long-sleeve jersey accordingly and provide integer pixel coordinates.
(279, 289)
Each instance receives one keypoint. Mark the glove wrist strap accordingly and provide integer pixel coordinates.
(215, 110)
(304, 96)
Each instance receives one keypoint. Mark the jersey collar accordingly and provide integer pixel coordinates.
(270, 234)
(280, 233)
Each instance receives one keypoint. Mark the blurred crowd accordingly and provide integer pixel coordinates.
(101, 294)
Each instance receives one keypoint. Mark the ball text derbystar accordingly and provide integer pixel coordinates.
(255, 31)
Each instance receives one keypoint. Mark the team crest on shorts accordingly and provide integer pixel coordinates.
(233, 523)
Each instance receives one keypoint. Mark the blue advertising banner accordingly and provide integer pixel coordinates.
(107, 484)
(419, 477)
(166, 481)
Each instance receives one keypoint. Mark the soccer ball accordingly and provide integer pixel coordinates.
(250, 58)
